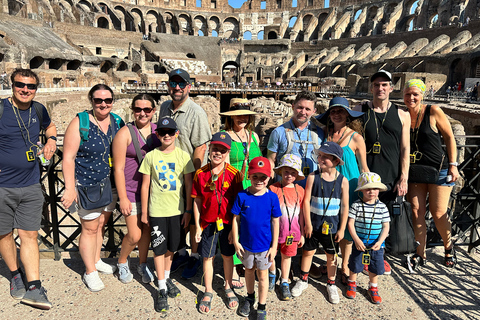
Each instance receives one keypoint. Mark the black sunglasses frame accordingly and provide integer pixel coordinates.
(182, 85)
(100, 100)
(21, 85)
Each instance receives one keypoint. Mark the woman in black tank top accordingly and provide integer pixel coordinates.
(429, 125)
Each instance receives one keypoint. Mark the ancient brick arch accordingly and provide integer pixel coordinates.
(139, 22)
(102, 22)
(185, 24)
(200, 24)
(126, 18)
(153, 21)
(171, 24)
(231, 27)
(214, 25)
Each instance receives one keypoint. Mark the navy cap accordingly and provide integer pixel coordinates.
(166, 123)
(381, 73)
(332, 148)
(338, 102)
(222, 138)
(181, 73)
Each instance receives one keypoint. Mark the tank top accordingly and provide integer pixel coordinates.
(429, 144)
(237, 155)
(350, 170)
(387, 162)
(321, 200)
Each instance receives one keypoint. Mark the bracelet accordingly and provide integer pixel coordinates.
(455, 164)
(189, 211)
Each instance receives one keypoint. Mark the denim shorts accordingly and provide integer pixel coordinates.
(376, 265)
(442, 179)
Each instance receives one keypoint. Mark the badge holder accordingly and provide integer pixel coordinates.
(219, 224)
(376, 147)
(30, 155)
(306, 171)
(366, 258)
(110, 162)
(412, 158)
(325, 228)
(289, 241)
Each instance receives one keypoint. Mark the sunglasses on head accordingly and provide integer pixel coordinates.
(99, 100)
(139, 110)
(21, 85)
(173, 84)
(240, 106)
(164, 132)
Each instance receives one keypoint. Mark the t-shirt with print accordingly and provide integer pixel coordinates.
(232, 185)
(256, 213)
(166, 171)
(366, 227)
(289, 221)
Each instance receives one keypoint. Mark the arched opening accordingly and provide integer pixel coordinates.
(73, 65)
(292, 21)
(191, 55)
(230, 72)
(136, 68)
(433, 21)
(410, 25)
(122, 66)
(102, 22)
(36, 62)
(357, 14)
(247, 35)
(159, 69)
(260, 35)
(259, 74)
(457, 72)
(214, 33)
(200, 33)
(106, 66)
(413, 7)
(55, 64)
(272, 35)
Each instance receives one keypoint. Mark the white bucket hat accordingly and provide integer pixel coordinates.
(370, 180)
(291, 161)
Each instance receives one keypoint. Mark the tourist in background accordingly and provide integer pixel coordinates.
(129, 148)
(87, 163)
(429, 126)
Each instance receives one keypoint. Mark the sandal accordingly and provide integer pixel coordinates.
(231, 299)
(204, 303)
(234, 286)
(240, 270)
(414, 262)
(451, 260)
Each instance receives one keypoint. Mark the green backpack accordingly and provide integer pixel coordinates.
(85, 124)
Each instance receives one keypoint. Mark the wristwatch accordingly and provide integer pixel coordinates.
(53, 138)
(455, 164)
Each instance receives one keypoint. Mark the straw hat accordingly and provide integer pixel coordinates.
(370, 180)
(238, 107)
(291, 161)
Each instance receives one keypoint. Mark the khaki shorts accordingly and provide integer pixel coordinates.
(259, 259)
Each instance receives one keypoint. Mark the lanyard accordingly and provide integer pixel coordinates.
(301, 142)
(294, 209)
(331, 193)
(371, 221)
(376, 124)
(415, 130)
(22, 126)
(101, 137)
(219, 202)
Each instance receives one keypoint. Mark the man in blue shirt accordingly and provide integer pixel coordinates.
(21, 196)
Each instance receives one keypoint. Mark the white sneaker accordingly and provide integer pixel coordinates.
(124, 274)
(146, 273)
(299, 287)
(105, 268)
(93, 281)
(333, 296)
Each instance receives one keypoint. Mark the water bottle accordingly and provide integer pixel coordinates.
(41, 157)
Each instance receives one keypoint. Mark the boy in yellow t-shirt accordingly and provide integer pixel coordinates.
(166, 170)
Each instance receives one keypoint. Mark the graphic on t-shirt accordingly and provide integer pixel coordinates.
(166, 175)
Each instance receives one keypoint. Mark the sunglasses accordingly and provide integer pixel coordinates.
(139, 110)
(240, 106)
(222, 151)
(99, 100)
(170, 132)
(212, 185)
(21, 85)
(174, 84)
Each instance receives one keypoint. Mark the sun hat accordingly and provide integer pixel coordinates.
(260, 165)
(291, 161)
(338, 102)
(166, 123)
(370, 180)
(181, 73)
(223, 139)
(238, 107)
(332, 148)
(381, 73)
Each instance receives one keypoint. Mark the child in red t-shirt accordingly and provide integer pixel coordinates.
(215, 187)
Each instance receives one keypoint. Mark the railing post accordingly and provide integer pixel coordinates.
(53, 199)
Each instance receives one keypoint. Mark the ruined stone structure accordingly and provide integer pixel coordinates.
(73, 43)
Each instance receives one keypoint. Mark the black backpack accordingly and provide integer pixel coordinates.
(38, 109)
(401, 238)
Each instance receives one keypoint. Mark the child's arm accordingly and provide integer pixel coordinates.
(383, 236)
(145, 192)
(236, 243)
(343, 211)
(197, 211)
(358, 243)
(188, 180)
(272, 252)
(306, 206)
(301, 222)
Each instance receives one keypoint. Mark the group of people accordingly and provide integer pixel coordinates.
(330, 179)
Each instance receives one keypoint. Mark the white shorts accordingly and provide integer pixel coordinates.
(136, 208)
(95, 213)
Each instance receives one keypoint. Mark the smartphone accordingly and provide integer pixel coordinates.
(396, 208)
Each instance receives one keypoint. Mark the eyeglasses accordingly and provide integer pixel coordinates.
(174, 84)
(21, 85)
(139, 110)
(170, 132)
(99, 100)
(244, 144)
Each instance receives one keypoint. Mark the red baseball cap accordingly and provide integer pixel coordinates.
(260, 165)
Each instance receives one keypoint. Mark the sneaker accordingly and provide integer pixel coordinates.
(37, 298)
(271, 281)
(299, 287)
(285, 292)
(105, 268)
(172, 289)
(373, 293)
(261, 315)
(333, 296)
(146, 273)
(161, 305)
(388, 269)
(124, 274)
(178, 261)
(17, 287)
(246, 307)
(191, 269)
(351, 290)
(93, 281)
(365, 270)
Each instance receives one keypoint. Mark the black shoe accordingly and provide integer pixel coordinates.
(172, 289)
(161, 305)
(246, 307)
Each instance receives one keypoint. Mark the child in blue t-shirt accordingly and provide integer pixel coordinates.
(368, 223)
(256, 211)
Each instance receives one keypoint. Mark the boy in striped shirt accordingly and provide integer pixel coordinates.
(368, 223)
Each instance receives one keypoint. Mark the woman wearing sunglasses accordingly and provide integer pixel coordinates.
(130, 145)
(86, 166)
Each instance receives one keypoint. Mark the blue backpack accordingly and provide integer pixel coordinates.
(85, 124)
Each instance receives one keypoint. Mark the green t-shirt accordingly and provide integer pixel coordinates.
(166, 172)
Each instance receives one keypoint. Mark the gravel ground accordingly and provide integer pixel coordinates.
(434, 293)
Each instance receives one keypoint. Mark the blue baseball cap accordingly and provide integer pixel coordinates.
(332, 148)
(338, 102)
(223, 139)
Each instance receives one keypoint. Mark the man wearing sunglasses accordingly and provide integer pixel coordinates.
(194, 133)
(21, 197)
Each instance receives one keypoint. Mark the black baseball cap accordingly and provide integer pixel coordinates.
(166, 123)
(181, 73)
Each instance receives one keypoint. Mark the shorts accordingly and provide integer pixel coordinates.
(259, 259)
(207, 247)
(95, 213)
(376, 265)
(324, 239)
(21, 208)
(167, 234)
(347, 236)
(136, 208)
(289, 251)
(442, 179)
